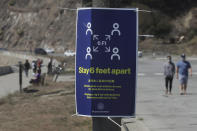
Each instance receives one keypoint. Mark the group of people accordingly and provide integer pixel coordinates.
(36, 68)
(182, 70)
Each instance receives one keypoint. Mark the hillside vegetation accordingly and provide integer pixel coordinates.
(26, 24)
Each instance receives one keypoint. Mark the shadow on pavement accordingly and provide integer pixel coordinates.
(26, 90)
(191, 94)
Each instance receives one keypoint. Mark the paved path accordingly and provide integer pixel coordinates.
(159, 112)
(156, 111)
(10, 83)
(66, 78)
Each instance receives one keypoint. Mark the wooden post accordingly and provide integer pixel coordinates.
(20, 76)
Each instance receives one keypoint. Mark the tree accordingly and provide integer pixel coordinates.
(115, 3)
(101, 3)
(86, 3)
(106, 3)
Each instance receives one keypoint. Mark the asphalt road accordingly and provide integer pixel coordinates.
(10, 83)
(158, 111)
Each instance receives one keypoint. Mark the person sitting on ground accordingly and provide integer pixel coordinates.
(37, 78)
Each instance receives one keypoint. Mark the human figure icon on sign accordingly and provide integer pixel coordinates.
(88, 53)
(116, 29)
(89, 25)
(115, 53)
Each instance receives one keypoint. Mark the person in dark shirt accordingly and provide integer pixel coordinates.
(169, 71)
(26, 67)
(50, 67)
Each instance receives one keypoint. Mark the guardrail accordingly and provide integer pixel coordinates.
(5, 70)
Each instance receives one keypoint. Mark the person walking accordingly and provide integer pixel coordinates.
(37, 78)
(34, 67)
(39, 65)
(169, 71)
(182, 71)
(27, 67)
(50, 66)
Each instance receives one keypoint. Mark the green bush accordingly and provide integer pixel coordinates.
(20, 32)
(173, 8)
(163, 28)
(161, 25)
(12, 2)
(155, 23)
(191, 33)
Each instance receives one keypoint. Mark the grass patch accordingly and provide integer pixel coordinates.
(12, 2)
(68, 72)
(48, 108)
(20, 32)
(140, 118)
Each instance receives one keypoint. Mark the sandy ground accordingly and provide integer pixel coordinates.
(47, 108)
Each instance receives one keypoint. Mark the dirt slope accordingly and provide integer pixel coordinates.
(27, 24)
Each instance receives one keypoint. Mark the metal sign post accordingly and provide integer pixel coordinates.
(104, 124)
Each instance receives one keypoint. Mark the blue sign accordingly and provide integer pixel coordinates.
(106, 52)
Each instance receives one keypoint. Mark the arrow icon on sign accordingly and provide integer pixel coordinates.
(107, 49)
(95, 37)
(95, 49)
(108, 37)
